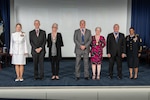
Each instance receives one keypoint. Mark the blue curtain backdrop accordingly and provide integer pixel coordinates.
(140, 19)
(5, 12)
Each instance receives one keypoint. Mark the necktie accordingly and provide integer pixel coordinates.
(82, 30)
(82, 36)
(117, 37)
(37, 33)
(116, 33)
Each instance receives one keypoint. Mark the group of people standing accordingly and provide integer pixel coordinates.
(117, 48)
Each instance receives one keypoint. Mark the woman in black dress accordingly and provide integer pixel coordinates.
(133, 47)
(55, 42)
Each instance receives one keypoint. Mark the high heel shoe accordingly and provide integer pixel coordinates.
(131, 77)
(135, 78)
(17, 79)
(93, 77)
(57, 77)
(98, 77)
(53, 77)
(21, 80)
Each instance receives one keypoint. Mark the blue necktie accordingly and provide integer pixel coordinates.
(82, 36)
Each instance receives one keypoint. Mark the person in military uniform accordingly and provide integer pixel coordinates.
(133, 51)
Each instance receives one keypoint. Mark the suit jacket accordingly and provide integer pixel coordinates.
(37, 42)
(78, 41)
(59, 43)
(18, 44)
(115, 48)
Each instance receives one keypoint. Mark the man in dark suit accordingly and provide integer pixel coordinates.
(38, 40)
(115, 50)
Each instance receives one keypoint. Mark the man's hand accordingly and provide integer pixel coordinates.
(123, 55)
(108, 55)
(82, 47)
(38, 50)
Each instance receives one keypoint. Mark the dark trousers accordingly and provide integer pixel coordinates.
(55, 65)
(38, 60)
(119, 65)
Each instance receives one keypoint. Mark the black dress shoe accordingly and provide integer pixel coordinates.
(119, 77)
(86, 78)
(36, 78)
(77, 78)
(110, 77)
(41, 78)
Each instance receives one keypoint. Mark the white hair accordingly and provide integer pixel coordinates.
(55, 25)
(98, 28)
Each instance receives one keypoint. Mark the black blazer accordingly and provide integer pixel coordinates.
(59, 44)
(37, 42)
(115, 48)
(133, 47)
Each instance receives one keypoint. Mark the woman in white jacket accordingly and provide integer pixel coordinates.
(18, 51)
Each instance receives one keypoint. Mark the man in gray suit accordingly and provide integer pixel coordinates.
(82, 39)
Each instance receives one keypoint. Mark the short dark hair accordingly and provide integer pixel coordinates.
(131, 28)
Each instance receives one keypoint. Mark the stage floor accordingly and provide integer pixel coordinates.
(75, 93)
(67, 77)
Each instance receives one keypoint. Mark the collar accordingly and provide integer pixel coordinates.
(115, 33)
(132, 35)
(37, 29)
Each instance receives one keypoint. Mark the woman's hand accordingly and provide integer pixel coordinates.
(139, 54)
(109, 55)
(26, 54)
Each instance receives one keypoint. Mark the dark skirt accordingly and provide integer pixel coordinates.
(133, 61)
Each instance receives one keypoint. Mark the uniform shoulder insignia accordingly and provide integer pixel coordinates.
(140, 40)
(136, 34)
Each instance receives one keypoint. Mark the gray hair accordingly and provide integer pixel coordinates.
(98, 28)
(116, 25)
(37, 21)
(55, 25)
(82, 21)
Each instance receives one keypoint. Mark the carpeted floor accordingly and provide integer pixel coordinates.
(67, 78)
